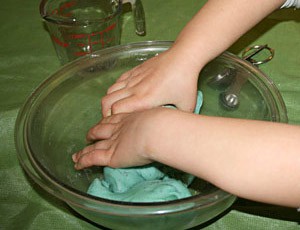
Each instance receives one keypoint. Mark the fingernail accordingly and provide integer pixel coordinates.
(74, 157)
(77, 166)
(108, 113)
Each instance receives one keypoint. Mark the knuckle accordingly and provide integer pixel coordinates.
(92, 133)
(115, 108)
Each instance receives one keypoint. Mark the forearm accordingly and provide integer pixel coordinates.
(217, 25)
(252, 159)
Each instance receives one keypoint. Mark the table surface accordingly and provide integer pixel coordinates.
(27, 58)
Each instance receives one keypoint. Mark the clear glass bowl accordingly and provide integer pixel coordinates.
(53, 122)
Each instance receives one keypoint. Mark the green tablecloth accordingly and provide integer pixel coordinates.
(27, 58)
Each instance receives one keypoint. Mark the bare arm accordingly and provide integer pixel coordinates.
(218, 24)
(252, 159)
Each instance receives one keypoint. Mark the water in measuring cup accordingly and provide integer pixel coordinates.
(88, 10)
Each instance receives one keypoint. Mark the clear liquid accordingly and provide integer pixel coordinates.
(93, 10)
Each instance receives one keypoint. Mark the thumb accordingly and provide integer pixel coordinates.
(128, 105)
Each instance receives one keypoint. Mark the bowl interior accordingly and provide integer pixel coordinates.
(59, 113)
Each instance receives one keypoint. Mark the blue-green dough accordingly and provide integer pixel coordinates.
(120, 180)
(142, 184)
(150, 183)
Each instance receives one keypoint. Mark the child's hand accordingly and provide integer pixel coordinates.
(168, 78)
(121, 141)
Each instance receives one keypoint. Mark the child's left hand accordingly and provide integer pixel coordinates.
(121, 141)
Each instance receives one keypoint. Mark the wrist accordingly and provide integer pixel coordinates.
(167, 135)
(188, 57)
(155, 124)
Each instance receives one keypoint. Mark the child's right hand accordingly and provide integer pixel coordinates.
(169, 78)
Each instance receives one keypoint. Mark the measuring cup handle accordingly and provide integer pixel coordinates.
(139, 16)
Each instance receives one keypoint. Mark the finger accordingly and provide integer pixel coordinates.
(110, 99)
(100, 145)
(80, 153)
(133, 72)
(114, 119)
(101, 131)
(98, 157)
(108, 113)
(130, 81)
(105, 128)
(135, 80)
(125, 75)
(117, 86)
(128, 105)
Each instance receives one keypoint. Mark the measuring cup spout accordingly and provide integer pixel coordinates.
(138, 15)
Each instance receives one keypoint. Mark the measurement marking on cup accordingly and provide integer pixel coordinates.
(59, 11)
(90, 42)
(85, 42)
(59, 42)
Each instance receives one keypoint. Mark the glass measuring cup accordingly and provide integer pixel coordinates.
(80, 27)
